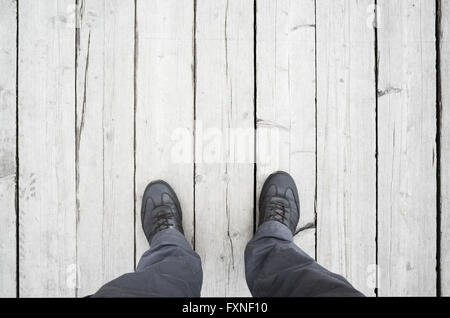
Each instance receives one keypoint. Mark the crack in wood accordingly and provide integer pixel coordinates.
(302, 26)
(79, 130)
(308, 226)
(389, 90)
(270, 124)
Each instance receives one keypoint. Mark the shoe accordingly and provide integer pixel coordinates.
(279, 201)
(160, 209)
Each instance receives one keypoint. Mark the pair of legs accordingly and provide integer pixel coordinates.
(274, 265)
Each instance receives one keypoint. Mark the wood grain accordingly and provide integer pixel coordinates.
(286, 128)
(165, 111)
(47, 217)
(407, 149)
(8, 54)
(346, 141)
(224, 143)
(445, 145)
(104, 142)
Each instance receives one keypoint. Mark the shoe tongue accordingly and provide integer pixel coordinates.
(279, 200)
(162, 208)
(276, 200)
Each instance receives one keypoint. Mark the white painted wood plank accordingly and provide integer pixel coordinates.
(46, 148)
(165, 111)
(224, 143)
(445, 147)
(8, 53)
(407, 148)
(105, 142)
(286, 111)
(346, 141)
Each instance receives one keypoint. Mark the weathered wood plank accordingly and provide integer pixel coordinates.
(407, 148)
(346, 141)
(224, 143)
(104, 141)
(286, 111)
(8, 54)
(47, 217)
(165, 111)
(445, 146)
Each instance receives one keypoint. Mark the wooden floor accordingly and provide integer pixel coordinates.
(100, 97)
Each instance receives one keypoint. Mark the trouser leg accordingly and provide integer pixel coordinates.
(276, 267)
(170, 268)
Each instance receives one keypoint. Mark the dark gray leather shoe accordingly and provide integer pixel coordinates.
(160, 209)
(279, 201)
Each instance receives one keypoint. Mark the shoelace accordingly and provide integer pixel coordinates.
(162, 219)
(278, 211)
